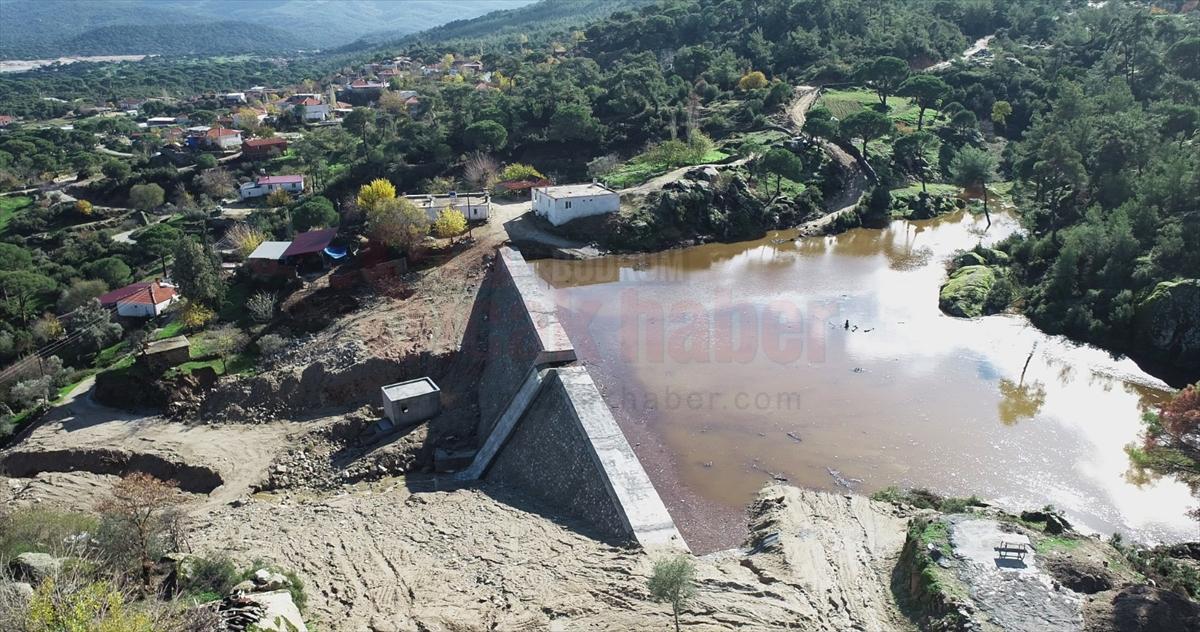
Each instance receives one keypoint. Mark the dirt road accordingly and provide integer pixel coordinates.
(856, 183)
(980, 44)
(657, 183)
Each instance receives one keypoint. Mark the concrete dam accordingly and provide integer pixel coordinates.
(545, 429)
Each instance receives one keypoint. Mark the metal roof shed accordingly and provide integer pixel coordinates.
(272, 250)
(314, 241)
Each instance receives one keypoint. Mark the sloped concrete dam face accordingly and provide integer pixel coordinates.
(544, 427)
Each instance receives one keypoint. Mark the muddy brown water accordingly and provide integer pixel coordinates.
(729, 365)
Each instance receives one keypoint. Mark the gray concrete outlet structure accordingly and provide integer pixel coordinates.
(544, 428)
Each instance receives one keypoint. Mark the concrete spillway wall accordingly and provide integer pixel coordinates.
(545, 428)
(523, 333)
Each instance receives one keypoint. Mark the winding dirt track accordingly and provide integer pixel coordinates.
(856, 184)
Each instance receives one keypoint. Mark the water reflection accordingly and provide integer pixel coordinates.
(735, 363)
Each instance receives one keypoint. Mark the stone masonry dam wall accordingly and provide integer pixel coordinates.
(544, 427)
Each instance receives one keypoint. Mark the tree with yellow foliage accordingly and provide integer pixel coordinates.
(195, 315)
(373, 194)
(83, 207)
(397, 223)
(753, 81)
(450, 223)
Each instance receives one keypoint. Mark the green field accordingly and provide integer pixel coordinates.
(640, 168)
(935, 188)
(9, 206)
(843, 103)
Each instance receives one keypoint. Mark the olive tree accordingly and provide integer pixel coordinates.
(672, 582)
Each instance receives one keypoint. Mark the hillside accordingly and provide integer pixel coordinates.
(35, 28)
(546, 16)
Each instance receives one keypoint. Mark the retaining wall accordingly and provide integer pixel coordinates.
(544, 427)
(523, 333)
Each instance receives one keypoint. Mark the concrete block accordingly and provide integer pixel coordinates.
(411, 402)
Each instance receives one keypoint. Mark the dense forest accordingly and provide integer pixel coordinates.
(36, 29)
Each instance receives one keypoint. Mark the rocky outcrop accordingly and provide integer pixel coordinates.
(1167, 324)
(965, 293)
(34, 567)
(705, 205)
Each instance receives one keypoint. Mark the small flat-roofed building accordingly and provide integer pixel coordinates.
(267, 260)
(561, 204)
(411, 402)
(161, 355)
(474, 206)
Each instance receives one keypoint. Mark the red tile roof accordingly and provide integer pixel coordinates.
(280, 180)
(310, 242)
(218, 132)
(147, 293)
(264, 142)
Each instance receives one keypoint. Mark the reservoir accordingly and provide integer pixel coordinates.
(825, 362)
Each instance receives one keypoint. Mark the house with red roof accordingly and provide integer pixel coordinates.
(141, 300)
(223, 138)
(257, 148)
(266, 184)
(6, 120)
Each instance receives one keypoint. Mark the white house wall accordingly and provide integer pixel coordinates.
(562, 210)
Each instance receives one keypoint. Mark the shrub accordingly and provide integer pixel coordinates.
(95, 606)
(207, 576)
(449, 224)
(244, 239)
(519, 172)
(272, 346)
(261, 306)
(279, 197)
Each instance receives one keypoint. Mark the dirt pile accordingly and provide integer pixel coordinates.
(381, 557)
(346, 450)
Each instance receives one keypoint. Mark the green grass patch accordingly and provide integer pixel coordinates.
(1053, 543)
(170, 330)
(244, 363)
(37, 530)
(935, 188)
(108, 355)
(10, 206)
(791, 188)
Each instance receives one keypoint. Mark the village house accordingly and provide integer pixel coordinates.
(6, 120)
(467, 67)
(141, 300)
(233, 98)
(222, 138)
(474, 206)
(314, 108)
(364, 85)
(163, 121)
(561, 204)
(266, 184)
(257, 148)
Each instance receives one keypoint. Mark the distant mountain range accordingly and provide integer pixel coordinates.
(52, 28)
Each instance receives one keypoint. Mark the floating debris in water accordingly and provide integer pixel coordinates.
(848, 483)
